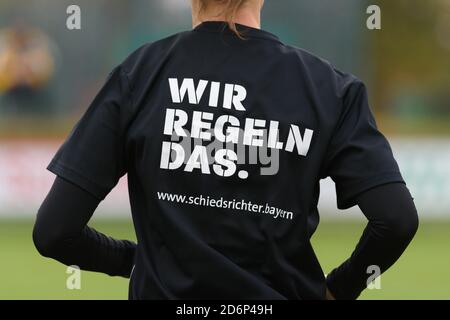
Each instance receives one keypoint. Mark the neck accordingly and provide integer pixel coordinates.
(247, 16)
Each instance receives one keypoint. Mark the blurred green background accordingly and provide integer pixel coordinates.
(49, 74)
(422, 273)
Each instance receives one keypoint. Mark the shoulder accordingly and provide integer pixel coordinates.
(151, 53)
(321, 71)
(308, 58)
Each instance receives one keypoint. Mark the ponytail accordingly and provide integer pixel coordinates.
(231, 8)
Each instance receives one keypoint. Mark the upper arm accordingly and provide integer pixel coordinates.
(64, 213)
(391, 208)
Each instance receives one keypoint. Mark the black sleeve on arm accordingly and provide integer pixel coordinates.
(393, 222)
(61, 233)
(359, 157)
(89, 165)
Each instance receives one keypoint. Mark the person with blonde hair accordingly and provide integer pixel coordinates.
(211, 222)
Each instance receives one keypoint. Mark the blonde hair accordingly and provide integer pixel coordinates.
(231, 7)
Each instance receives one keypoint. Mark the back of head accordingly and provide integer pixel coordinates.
(228, 9)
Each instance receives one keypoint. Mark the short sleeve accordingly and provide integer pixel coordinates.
(359, 157)
(93, 156)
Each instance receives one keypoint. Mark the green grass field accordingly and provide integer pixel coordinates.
(422, 273)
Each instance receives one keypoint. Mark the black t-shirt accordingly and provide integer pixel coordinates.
(224, 142)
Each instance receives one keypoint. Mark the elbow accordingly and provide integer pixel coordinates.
(411, 225)
(44, 243)
(406, 227)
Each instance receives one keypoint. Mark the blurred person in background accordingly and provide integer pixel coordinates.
(26, 67)
(187, 246)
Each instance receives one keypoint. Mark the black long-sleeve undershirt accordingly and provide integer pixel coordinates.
(393, 222)
(61, 233)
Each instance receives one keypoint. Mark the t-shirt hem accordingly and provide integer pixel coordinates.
(348, 200)
(74, 177)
